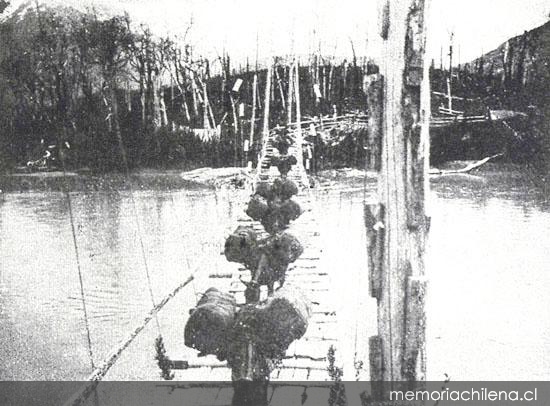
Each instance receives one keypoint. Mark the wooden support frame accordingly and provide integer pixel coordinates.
(374, 224)
(374, 89)
(399, 105)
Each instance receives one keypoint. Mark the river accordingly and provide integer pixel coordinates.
(488, 306)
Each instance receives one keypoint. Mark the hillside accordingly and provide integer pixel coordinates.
(16, 10)
(522, 62)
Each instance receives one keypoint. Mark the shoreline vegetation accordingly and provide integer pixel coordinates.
(115, 94)
(143, 179)
(210, 178)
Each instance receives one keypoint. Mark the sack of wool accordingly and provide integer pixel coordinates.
(210, 324)
(289, 211)
(284, 188)
(282, 320)
(271, 222)
(280, 215)
(282, 143)
(274, 222)
(283, 250)
(214, 295)
(240, 245)
(264, 189)
(284, 163)
(257, 207)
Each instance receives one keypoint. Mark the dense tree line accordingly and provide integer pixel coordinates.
(94, 87)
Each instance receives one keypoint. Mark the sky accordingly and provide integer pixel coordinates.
(299, 26)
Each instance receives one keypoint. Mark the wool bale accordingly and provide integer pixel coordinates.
(239, 246)
(270, 327)
(282, 320)
(284, 249)
(282, 146)
(282, 142)
(264, 190)
(284, 163)
(270, 222)
(284, 188)
(214, 295)
(289, 211)
(279, 215)
(280, 250)
(210, 324)
(257, 207)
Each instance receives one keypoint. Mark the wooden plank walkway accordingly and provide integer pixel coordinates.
(306, 359)
(208, 394)
(268, 173)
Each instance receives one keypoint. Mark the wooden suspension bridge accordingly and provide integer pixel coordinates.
(307, 358)
(396, 230)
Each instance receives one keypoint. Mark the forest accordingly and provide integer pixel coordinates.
(109, 94)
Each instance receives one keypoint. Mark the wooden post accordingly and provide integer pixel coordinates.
(253, 118)
(265, 132)
(330, 76)
(297, 96)
(398, 226)
(235, 129)
(206, 123)
(194, 99)
(290, 94)
(280, 85)
(374, 89)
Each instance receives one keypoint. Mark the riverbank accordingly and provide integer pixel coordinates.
(231, 177)
(145, 179)
(357, 178)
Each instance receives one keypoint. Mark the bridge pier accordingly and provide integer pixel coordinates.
(397, 226)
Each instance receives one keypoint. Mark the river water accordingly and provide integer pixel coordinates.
(488, 307)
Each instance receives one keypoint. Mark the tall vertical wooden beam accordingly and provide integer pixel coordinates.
(265, 132)
(374, 89)
(206, 122)
(290, 94)
(402, 187)
(297, 97)
(253, 118)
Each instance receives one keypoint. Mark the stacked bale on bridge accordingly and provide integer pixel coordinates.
(272, 205)
(242, 246)
(210, 324)
(280, 251)
(255, 336)
(282, 320)
(284, 163)
(269, 327)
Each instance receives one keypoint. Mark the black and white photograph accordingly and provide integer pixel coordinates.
(274, 202)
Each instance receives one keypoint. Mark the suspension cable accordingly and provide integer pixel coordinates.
(114, 113)
(76, 250)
